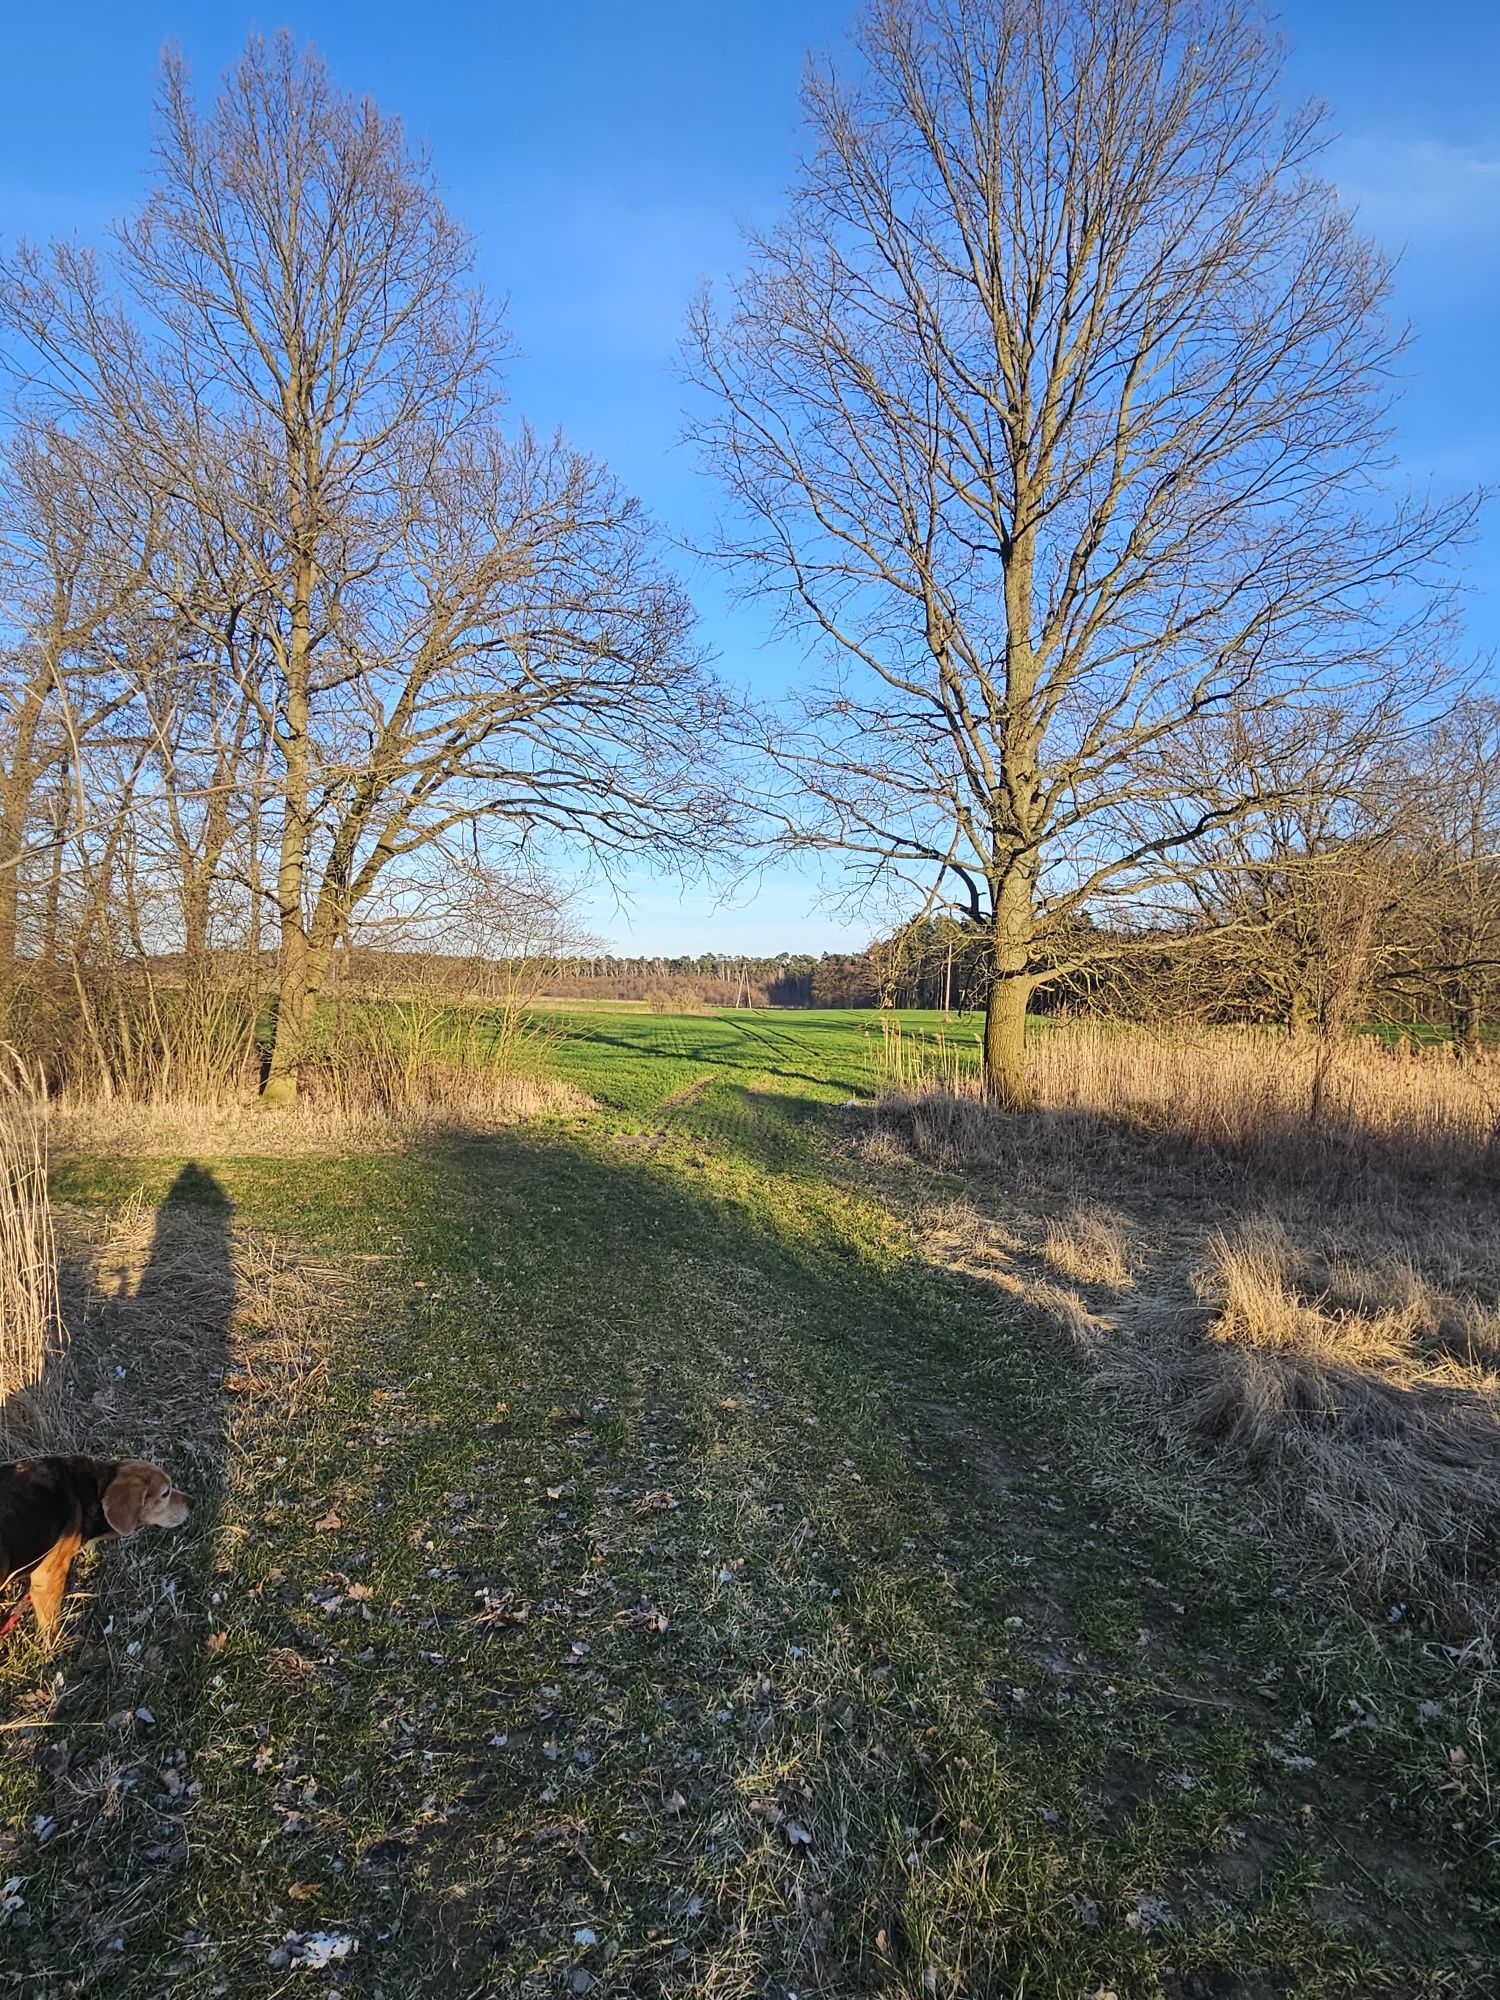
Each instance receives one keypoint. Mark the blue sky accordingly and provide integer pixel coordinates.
(607, 154)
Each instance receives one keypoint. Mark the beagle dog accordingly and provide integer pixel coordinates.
(49, 1507)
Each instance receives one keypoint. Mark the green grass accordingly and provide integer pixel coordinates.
(633, 1062)
(711, 1597)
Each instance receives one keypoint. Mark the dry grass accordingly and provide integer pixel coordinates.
(1091, 1244)
(32, 1338)
(1289, 1258)
(1359, 1396)
(451, 1099)
(1296, 1103)
(1290, 1103)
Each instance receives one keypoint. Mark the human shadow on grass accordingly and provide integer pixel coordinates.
(139, 1369)
(150, 1325)
(160, 1356)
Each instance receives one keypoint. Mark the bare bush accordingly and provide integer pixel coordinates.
(676, 999)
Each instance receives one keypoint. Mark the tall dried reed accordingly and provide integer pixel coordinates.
(1296, 1104)
(32, 1338)
(354, 1112)
(424, 1061)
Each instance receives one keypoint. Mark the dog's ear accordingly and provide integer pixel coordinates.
(124, 1495)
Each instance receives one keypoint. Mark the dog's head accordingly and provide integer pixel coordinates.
(136, 1495)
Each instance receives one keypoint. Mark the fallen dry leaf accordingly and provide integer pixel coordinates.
(644, 1617)
(500, 1607)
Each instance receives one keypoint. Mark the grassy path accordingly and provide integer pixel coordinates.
(662, 1581)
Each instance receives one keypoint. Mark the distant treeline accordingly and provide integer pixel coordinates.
(1303, 944)
(1312, 957)
(707, 979)
(888, 972)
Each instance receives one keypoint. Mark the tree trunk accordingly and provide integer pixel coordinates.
(1004, 1078)
(289, 1042)
(1468, 1024)
(196, 872)
(293, 1013)
(292, 1001)
(1012, 984)
(55, 867)
(10, 895)
(17, 795)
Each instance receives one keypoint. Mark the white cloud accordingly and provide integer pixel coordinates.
(1419, 192)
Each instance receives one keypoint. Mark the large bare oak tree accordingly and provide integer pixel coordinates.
(1055, 409)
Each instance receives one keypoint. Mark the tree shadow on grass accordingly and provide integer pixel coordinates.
(591, 1383)
(737, 1059)
(690, 1318)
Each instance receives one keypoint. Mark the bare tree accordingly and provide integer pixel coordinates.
(1055, 411)
(74, 557)
(1447, 950)
(441, 624)
(1290, 907)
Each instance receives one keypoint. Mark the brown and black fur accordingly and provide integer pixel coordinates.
(50, 1507)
